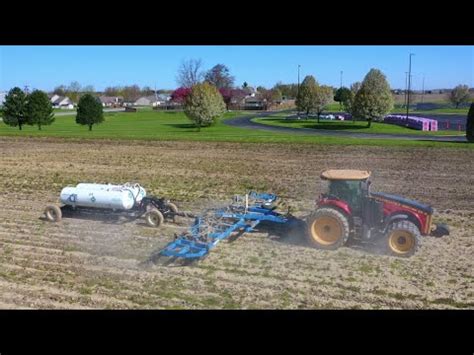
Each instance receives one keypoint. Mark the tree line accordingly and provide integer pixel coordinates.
(370, 99)
(129, 93)
(191, 73)
(21, 109)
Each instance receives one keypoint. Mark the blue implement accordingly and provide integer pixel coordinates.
(243, 215)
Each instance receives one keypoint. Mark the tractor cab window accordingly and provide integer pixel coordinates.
(347, 190)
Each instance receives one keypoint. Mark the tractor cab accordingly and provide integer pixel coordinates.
(349, 191)
(348, 186)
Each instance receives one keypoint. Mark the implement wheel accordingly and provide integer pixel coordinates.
(327, 229)
(53, 213)
(154, 218)
(402, 238)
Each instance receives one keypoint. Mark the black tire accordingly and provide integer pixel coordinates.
(402, 239)
(154, 218)
(53, 213)
(327, 229)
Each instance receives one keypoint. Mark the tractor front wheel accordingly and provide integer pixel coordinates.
(402, 238)
(327, 229)
(154, 218)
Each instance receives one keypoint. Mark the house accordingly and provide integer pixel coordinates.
(63, 102)
(153, 100)
(252, 102)
(111, 101)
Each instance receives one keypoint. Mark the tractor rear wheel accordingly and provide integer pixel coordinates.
(402, 238)
(53, 213)
(327, 229)
(154, 218)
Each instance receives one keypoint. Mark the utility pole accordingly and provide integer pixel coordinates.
(298, 90)
(406, 86)
(423, 89)
(341, 79)
(409, 84)
(27, 89)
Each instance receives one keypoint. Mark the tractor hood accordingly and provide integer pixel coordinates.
(403, 201)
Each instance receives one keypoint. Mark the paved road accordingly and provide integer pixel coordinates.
(73, 112)
(245, 122)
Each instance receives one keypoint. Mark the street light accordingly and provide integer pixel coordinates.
(298, 91)
(409, 84)
(423, 89)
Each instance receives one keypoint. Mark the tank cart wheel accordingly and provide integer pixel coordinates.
(154, 218)
(402, 238)
(327, 229)
(53, 213)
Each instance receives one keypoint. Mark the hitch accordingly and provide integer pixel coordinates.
(440, 231)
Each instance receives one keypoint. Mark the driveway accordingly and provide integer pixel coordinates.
(246, 122)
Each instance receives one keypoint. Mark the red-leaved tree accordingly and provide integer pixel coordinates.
(232, 95)
(180, 94)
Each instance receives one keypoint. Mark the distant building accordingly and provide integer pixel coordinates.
(153, 100)
(63, 102)
(111, 101)
(253, 102)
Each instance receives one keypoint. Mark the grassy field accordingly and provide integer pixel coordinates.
(58, 110)
(174, 126)
(349, 126)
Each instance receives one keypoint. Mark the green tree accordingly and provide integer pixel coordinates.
(470, 124)
(89, 111)
(348, 104)
(306, 95)
(342, 94)
(323, 96)
(39, 110)
(14, 108)
(459, 95)
(374, 98)
(276, 95)
(204, 105)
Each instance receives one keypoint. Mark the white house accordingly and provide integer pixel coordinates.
(153, 100)
(63, 102)
(114, 101)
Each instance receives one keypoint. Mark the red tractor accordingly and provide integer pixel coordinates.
(348, 209)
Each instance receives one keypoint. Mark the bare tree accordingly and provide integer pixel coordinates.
(190, 73)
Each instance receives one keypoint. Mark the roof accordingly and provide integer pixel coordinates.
(345, 174)
(110, 99)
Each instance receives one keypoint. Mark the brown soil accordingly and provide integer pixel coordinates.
(83, 263)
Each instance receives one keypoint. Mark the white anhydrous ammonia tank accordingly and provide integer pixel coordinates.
(117, 197)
